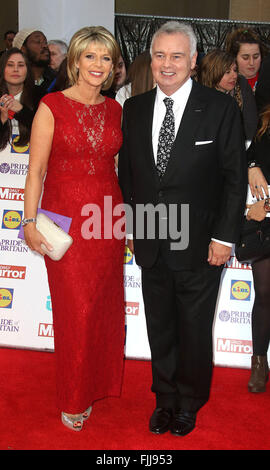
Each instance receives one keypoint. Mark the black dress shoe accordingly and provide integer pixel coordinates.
(160, 421)
(183, 422)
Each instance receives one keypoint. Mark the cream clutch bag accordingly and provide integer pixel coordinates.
(55, 236)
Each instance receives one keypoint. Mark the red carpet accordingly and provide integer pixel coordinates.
(233, 419)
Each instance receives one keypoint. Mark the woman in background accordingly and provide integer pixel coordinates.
(245, 45)
(219, 70)
(139, 79)
(17, 98)
(259, 179)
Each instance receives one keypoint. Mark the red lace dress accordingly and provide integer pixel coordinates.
(86, 286)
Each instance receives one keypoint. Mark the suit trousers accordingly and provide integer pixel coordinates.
(179, 309)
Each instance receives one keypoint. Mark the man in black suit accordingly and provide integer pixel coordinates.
(184, 162)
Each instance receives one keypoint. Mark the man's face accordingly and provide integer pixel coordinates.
(56, 56)
(120, 74)
(36, 49)
(9, 39)
(171, 61)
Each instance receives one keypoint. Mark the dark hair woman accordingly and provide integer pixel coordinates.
(245, 45)
(259, 181)
(17, 98)
(218, 69)
(139, 78)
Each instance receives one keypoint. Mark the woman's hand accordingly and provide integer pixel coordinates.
(34, 239)
(257, 183)
(256, 211)
(13, 105)
(8, 103)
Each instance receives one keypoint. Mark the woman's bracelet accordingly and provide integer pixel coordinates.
(253, 164)
(27, 221)
(267, 204)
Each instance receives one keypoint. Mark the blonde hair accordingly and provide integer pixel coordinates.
(264, 122)
(79, 43)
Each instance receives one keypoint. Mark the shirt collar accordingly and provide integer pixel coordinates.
(178, 96)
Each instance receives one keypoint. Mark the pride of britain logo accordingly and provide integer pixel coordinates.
(18, 169)
(240, 290)
(235, 316)
(4, 168)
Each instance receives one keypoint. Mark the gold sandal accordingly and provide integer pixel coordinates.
(87, 413)
(75, 424)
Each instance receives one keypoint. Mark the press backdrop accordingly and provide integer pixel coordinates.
(26, 317)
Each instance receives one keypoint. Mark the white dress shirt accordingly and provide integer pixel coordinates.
(180, 98)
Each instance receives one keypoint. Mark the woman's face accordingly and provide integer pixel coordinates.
(229, 79)
(249, 60)
(94, 65)
(15, 70)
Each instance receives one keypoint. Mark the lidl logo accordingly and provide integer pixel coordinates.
(12, 219)
(240, 290)
(6, 297)
(16, 148)
(128, 257)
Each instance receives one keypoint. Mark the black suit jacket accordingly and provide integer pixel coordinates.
(211, 177)
(262, 93)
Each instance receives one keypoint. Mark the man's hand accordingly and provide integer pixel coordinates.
(218, 254)
(130, 245)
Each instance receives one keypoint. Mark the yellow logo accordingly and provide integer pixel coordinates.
(128, 257)
(18, 149)
(11, 219)
(6, 296)
(240, 290)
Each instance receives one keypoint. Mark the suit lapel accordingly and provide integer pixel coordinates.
(148, 118)
(190, 121)
(148, 113)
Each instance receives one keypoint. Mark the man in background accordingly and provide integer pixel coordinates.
(58, 52)
(34, 45)
(8, 38)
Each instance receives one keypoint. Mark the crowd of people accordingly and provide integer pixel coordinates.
(85, 112)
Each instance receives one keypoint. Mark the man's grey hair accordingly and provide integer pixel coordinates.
(172, 27)
(61, 44)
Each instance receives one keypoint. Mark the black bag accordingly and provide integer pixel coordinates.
(254, 241)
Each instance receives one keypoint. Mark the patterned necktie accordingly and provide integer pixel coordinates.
(166, 138)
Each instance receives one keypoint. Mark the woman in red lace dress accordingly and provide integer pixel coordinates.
(75, 136)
